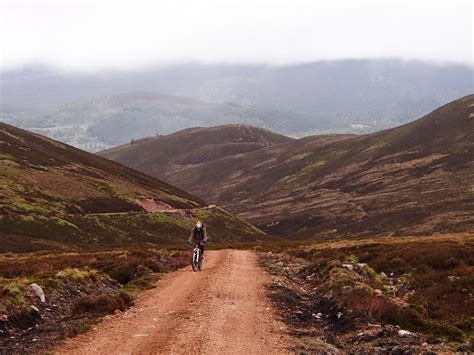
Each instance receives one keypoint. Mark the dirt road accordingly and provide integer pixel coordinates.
(221, 310)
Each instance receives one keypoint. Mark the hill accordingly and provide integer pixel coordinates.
(53, 196)
(413, 179)
(335, 96)
(176, 155)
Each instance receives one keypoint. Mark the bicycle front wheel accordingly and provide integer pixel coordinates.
(195, 261)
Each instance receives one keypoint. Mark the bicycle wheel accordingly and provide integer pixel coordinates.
(195, 260)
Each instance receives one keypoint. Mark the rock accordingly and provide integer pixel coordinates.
(349, 267)
(383, 275)
(361, 265)
(378, 292)
(317, 316)
(372, 325)
(339, 315)
(35, 309)
(39, 292)
(404, 333)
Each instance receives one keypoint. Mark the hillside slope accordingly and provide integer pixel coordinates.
(55, 196)
(413, 179)
(176, 156)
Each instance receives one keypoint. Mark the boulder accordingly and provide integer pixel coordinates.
(38, 291)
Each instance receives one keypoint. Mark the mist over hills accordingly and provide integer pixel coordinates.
(100, 110)
(96, 123)
(413, 179)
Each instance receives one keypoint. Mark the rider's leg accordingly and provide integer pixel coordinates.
(202, 250)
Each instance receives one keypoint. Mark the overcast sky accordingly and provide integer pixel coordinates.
(89, 35)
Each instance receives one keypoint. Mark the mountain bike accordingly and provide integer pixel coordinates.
(196, 261)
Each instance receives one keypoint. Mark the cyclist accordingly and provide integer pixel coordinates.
(198, 235)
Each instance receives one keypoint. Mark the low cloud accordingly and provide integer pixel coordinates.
(116, 35)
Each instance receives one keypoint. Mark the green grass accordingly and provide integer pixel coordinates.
(76, 273)
(16, 288)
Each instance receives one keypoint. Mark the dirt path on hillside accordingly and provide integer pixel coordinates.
(148, 208)
(222, 309)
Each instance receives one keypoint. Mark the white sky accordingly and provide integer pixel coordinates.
(88, 35)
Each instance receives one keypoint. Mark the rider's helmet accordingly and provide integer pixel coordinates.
(198, 225)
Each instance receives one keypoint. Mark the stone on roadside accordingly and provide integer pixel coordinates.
(404, 333)
(38, 291)
(349, 267)
(35, 309)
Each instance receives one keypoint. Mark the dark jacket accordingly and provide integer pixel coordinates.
(198, 235)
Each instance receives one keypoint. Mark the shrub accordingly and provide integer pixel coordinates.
(102, 304)
(375, 308)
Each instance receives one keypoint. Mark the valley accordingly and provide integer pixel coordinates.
(415, 179)
(236, 177)
(328, 243)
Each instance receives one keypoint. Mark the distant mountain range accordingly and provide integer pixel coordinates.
(413, 179)
(100, 110)
(100, 122)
